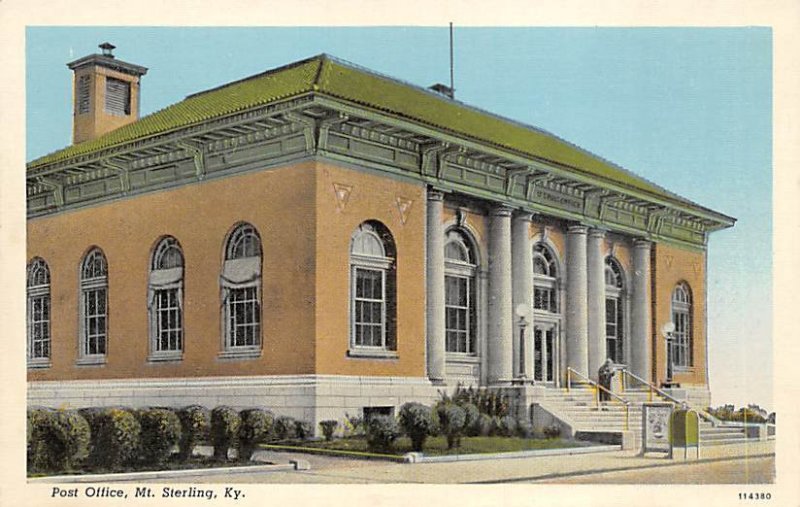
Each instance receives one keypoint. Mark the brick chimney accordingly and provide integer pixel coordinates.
(105, 94)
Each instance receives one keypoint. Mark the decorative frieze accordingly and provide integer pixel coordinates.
(280, 133)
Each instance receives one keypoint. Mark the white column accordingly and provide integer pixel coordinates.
(500, 310)
(577, 312)
(640, 311)
(597, 300)
(435, 287)
(522, 280)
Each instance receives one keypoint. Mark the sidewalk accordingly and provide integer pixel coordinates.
(331, 470)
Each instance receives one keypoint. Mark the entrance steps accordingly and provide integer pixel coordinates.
(591, 420)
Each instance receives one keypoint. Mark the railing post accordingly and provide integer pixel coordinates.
(569, 378)
(627, 416)
(597, 396)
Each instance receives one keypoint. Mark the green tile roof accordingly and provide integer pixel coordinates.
(332, 77)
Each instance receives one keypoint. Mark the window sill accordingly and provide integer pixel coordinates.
(91, 361)
(373, 353)
(35, 364)
(234, 354)
(458, 357)
(166, 358)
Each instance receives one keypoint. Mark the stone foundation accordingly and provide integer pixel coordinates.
(311, 398)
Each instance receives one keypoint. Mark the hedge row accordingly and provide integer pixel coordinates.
(449, 418)
(116, 438)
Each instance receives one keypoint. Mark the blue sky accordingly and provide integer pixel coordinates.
(687, 108)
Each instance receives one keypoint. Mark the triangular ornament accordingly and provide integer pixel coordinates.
(342, 193)
(403, 206)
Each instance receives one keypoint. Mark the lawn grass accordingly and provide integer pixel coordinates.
(434, 446)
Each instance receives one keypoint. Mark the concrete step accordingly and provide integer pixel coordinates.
(720, 435)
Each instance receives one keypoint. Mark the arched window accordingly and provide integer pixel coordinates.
(241, 292)
(373, 293)
(94, 307)
(459, 283)
(682, 317)
(165, 300)
(38, 313)
(615, 284)
(545, 279)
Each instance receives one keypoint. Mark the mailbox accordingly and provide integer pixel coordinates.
(685, 431)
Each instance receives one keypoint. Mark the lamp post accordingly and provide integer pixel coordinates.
(521, 310)
(668, 332)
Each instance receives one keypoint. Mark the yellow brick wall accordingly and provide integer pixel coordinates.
(671, 266)
(279, 203)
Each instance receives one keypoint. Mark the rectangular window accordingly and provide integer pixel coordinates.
(94, 322)
(40, 327)
(614, 329)
(118, 97)
(84, 94)
(459, 318)
(244, 317)
(544, 299)
(544, 354)
(369, 307)
(681, 350)
(168, 321)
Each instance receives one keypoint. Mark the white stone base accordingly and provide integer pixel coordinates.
(311, 398)
(698, 397)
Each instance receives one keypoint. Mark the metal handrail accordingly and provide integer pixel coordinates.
(652, 388)
(597, 388)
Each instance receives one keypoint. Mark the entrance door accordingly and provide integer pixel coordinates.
(544, 352)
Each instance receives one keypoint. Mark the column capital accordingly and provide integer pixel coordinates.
(642, 243)
(435, 195)
(577, 229)
(524, 216)
(501, 210)
(596, 232)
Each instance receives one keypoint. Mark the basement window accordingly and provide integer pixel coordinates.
(118, 97)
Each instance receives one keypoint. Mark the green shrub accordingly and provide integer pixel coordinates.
(495, 429)
(303, 430)
(194, 428)
(225, 423)
(59, 439)
(353, 425)
(481, 427)
(116, 436)
(328, 428)
(161, 430)
(255, 426)
(417, 422)
(507, 426)
(524, 428)
(451, 422)
(471, 413)
(382, 431)
(552, 431)
(285, 428)
(489, 401)
(38, 419)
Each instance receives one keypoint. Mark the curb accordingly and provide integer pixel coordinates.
(172, 474)
(671, 463)
(414, 457)
(336, 453)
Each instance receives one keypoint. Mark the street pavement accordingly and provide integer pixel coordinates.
(724, 464)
